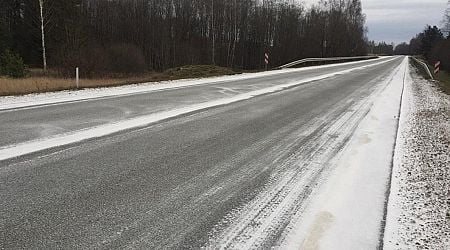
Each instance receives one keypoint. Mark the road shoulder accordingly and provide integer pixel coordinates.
(348, 210)
(418, 211)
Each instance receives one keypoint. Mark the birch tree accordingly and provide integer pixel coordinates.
(446, 21)
(44, 55)
(213, 34)
(167, 34)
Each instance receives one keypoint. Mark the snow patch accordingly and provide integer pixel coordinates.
(348, 210)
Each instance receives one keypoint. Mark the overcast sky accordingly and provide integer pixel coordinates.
(399, 20)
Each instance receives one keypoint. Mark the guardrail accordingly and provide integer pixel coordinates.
(424, 65)
(328, 59)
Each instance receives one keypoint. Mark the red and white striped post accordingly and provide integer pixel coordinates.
(266, 59)
(437, 67)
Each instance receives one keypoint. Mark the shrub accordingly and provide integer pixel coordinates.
(96, 60)
(441, 53)
(91, 59)
(11, 64)
(126, 58)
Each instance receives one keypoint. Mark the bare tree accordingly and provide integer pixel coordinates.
(213, 34)
(446, 20)
(233, 33)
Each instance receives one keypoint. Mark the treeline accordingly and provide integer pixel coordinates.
(380, 48)
(432, 43)
(126, 36)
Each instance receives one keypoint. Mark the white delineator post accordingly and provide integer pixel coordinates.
(77, 77)
(437, 67)
(266, 59)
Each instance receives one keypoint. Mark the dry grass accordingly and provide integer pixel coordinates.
(37, 83)
(10, 86)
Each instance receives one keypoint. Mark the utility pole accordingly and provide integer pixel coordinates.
(44, 56)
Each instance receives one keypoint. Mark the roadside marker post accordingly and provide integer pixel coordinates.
(77, 77)
(437, 67)
(266, 60)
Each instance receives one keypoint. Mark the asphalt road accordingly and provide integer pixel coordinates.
(223, 176)
(25, 124)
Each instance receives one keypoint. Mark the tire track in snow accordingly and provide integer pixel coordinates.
(300, 168)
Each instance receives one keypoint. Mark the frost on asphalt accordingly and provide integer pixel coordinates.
(419, 205)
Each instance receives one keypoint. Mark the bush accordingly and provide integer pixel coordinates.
(126, 58)
(92, 60)
(441, 53)
(11, 64)
(96, 60)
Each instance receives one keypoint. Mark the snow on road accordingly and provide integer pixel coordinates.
(419, 205)
(348, 211)
(344, 206)
(323, 200)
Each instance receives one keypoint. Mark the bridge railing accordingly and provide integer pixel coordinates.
(327, 59)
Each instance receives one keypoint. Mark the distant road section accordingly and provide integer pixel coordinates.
(234, 163)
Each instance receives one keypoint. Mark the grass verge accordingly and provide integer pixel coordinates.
(444, 81)
(37, 83)
(443, 78)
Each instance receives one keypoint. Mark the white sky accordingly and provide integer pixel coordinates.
(399, 20)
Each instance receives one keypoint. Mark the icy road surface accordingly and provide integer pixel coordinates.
(303, 163)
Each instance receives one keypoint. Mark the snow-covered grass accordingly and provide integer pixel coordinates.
(11, 102)
(419, 204)
(107, 129)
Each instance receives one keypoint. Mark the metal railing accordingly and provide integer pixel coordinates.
(328, 59)
(425, 66)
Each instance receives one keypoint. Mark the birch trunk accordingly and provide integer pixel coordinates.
(235, 33)
(44, 56)
(213, 34)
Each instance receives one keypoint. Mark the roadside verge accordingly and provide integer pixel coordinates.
(418, 214)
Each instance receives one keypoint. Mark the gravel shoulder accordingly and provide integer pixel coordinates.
(418, 211)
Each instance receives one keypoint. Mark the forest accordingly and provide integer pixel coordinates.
(132, 36)
(433, 43)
